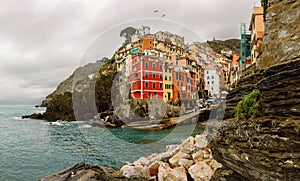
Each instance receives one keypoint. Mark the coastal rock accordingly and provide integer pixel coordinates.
(164, 156)
(187, 146)
(201, 141)
(166, 173)
(173, 148)
(186, 163)
(79, 171)
(198, 156)
(136, 171)
(153, 168)
(260, 149)
(201, 171)
(215, 165)
(175, 159)
(142, 161)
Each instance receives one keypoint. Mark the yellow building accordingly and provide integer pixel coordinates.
(168, 79)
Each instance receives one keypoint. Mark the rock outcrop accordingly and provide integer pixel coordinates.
(86, 172)
(85, 93)
(258, 149)
(280, 95)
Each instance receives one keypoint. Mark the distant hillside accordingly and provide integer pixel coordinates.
(231, 44)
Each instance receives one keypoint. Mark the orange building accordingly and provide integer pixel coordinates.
(257, 32)
(148, 42)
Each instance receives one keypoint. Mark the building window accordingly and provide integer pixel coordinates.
(146, 65)
(160, 66)
(161, 85)
(212, 77)
(212, 82)
(160, 76)
(207, 82)
(153, 84)
(170, 79)
(146, 84)
(136, 75)
(207, 72)
(146, 75)
(166, 77)
(153, 66)
(207, 77)
(153, 75)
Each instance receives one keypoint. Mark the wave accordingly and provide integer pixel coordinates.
(85, 126)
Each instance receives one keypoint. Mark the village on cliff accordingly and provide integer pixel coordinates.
(162, 66)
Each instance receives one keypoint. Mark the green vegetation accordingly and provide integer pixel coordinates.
(231, 44)
(249, 106)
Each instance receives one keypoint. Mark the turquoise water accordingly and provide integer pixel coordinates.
(30, 149)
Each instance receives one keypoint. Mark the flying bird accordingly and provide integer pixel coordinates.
(163, 15)
(155, 11)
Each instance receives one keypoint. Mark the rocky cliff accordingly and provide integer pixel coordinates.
(267, 147)
(75, 97)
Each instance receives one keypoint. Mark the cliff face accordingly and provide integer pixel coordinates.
(259, 149)
(268, 147)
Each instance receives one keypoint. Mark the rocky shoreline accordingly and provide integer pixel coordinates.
(190, 160)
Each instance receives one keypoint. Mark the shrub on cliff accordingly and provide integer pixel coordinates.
(249, 106)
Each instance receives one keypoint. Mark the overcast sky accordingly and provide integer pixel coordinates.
(42, 41)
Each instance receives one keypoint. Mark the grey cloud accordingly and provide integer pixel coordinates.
(42, 42)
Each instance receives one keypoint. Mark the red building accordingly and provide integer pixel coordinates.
(146, 77)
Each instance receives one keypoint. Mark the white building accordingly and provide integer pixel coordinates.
(140, 32)
(212, 80)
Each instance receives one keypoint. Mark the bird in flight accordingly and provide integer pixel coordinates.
(163, 15)
(155, 11)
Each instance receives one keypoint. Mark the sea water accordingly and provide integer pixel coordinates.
(30, 149)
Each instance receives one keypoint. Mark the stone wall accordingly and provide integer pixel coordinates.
(281, 42)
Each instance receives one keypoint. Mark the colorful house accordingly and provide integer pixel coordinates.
(146, 77)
